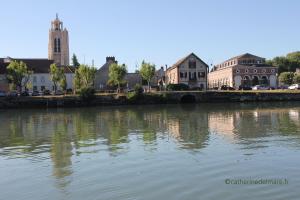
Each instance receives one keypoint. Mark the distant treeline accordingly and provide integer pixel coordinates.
(288, 63)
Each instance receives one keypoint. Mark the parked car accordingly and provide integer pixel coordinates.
(12, 94)
(260, 87)
(294, 87)
(25, 93)
(244, 87)
(69, 91)
(226, 87)
(35, 93)
(58, 92)
(46, 92)
(283, 87)
(2, 94)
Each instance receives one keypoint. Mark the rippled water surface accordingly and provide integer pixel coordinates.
(150, 152)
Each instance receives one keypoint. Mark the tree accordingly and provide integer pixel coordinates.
(84, 77)
(56, 75)
(288, 63)
(75, 61)
(294, 56)
(147, 72)
(116, 74)
(297, 78)
(286, 78)
(63, 82)
(18, 74)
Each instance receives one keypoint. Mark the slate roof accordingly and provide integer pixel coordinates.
(244, 55)
(37, 65)
(179, 62)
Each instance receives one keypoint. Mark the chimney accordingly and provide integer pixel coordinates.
(110, 59)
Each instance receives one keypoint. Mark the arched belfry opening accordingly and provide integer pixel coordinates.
(58, 46)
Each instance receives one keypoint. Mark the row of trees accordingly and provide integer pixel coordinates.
(19, 75)
(288, 63)
(117, 73)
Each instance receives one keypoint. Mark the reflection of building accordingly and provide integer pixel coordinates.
(243, 70)
(294, 115)
(190, 70)
(222, 123)
(190, 129)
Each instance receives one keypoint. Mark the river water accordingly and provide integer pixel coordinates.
(178, 152)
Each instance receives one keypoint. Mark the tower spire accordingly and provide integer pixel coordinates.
(56, 15)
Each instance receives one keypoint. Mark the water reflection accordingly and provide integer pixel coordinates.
(63, 134)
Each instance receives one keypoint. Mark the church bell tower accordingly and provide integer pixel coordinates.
(58, 47)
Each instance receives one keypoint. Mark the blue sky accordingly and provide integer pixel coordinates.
(159, 31)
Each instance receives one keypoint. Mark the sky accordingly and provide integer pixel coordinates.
(157, 31)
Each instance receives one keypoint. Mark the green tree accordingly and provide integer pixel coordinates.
(294, 56)
(56, 75)
(288, 63)
(286, 78)
(147, 72)
(18, 74)
(75, 61)
(116, 74)
(84, 77)
(63, 82)
(297, 78)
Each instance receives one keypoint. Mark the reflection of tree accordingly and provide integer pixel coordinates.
(189, 126)
(61, 153)
(287, 126)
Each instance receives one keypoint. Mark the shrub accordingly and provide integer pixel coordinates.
(177, 87)
(87, 93)
(138, 89)
(296, 78)
(286, 78)
(136, 95)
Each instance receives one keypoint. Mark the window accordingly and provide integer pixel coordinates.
(181, 75)
(43, 88)
(272, 70)
(34, 88)
(34, 79)
(185, 75)
(55, 45)
(237, 71)
(255, 70)
(58, 45)
(246, 71)
(263, 70)
(42, 79)
(192, 63)
(193, 76)
(201, 74)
